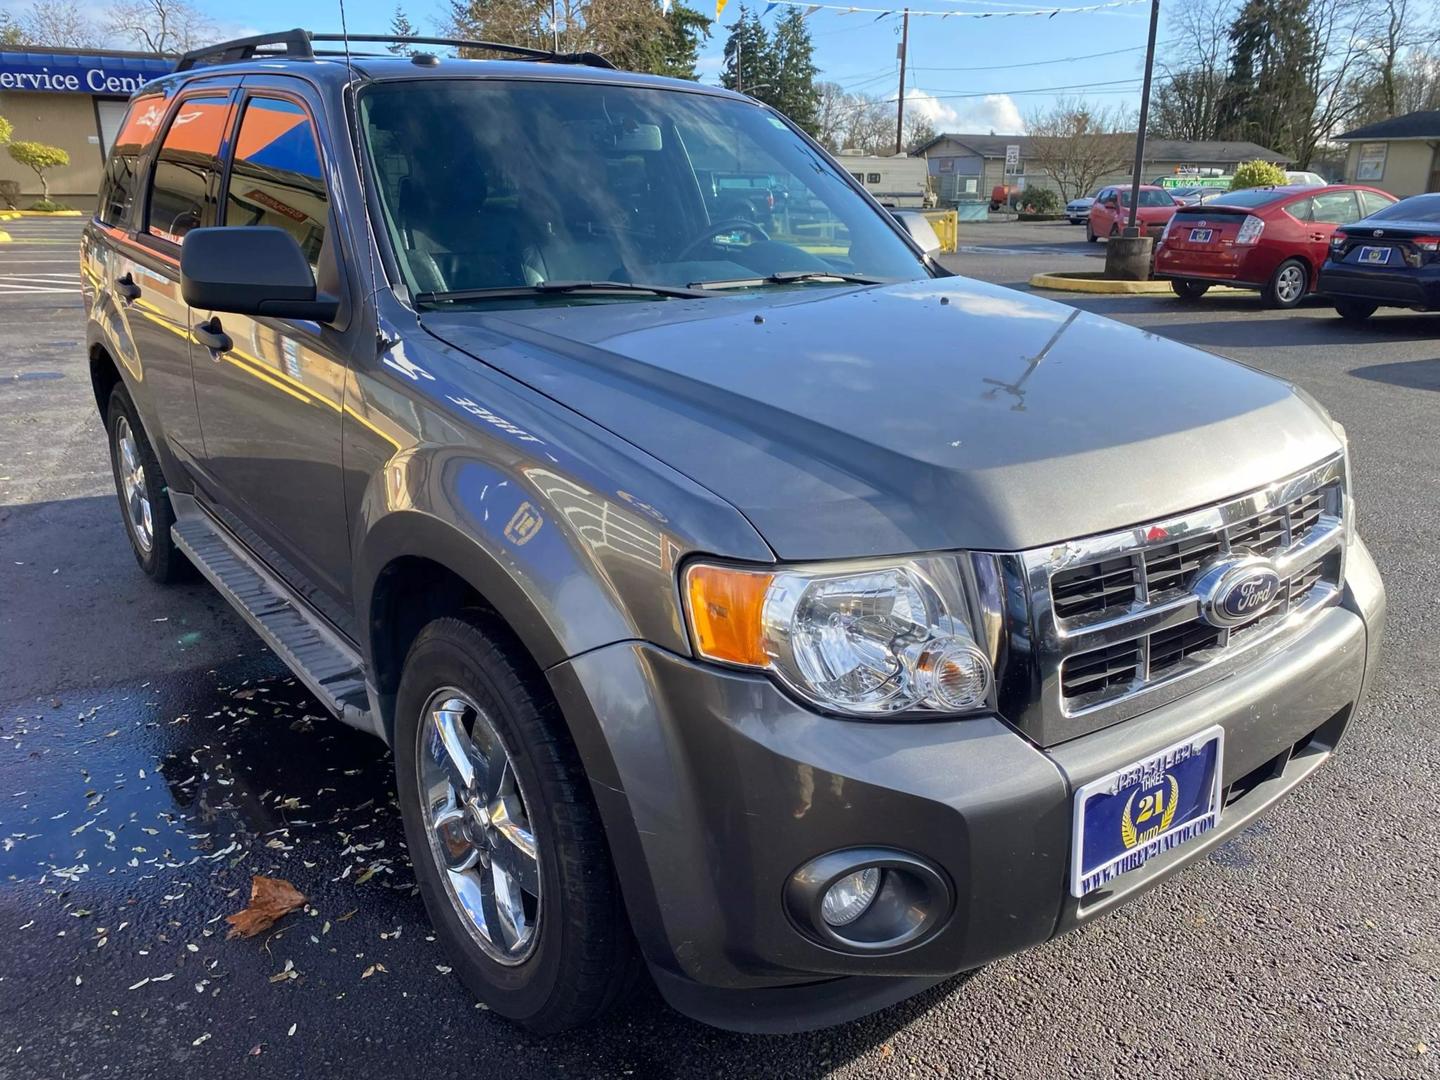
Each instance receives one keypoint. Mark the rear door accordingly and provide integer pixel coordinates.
(179, 196)
(270, 407)
(1327, 210)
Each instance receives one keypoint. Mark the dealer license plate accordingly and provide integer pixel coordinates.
(1143, 810)
(1201, 236)
(1375, 255)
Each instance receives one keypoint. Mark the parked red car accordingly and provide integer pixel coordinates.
(1273, 239)
(1110, 212)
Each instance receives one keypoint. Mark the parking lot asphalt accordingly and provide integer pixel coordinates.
(153, 756)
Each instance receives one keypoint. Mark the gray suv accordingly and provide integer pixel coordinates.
(746, 602)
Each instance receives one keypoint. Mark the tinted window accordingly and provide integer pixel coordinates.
(1152, 197)
(275, 178)
(1377, 204)
(121, 183)
(182, 190)
(1335, 208)
(493, 183)
(872, 178)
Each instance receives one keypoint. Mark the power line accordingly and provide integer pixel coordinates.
(950, 94)
(1036, 63)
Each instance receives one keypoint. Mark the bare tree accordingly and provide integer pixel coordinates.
(159, 26)
(1189, 95)
(1078, 145)
(57, 24)
(1340, 51)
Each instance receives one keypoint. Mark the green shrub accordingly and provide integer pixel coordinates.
(1257, 174)
(39, 159)
(7, 129)
(48, 206)
(1039, 201)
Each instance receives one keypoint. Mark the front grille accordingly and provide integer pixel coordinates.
(1119, 617)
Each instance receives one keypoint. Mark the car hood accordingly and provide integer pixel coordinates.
(920, 416)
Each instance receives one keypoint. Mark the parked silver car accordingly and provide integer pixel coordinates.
(1078, 210)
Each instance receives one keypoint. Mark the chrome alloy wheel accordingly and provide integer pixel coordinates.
(1289, 284)
(478, 823)
(132, 483)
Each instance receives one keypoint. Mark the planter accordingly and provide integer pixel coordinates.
(1042, 217)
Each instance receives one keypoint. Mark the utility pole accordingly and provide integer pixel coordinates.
(900, 111)
(1131, 229)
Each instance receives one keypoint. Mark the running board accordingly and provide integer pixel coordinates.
(328, 666)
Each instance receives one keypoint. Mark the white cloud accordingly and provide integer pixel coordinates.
(994, 112)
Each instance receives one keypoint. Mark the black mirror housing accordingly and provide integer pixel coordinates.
(251, 270)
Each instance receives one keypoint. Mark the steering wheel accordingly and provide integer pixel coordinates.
(709, 235)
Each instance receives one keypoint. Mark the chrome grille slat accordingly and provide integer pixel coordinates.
(1116, 628)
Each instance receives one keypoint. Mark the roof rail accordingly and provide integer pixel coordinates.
(297, 44)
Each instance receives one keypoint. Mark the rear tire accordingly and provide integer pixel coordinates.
(1090, 233)
(1354, 310)
(144, 496)
(1288, 285)
(1189, 291)
(548, 944)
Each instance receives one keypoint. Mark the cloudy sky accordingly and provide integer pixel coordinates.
(966, 74)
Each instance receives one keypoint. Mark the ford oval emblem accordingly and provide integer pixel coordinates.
(1237, 590)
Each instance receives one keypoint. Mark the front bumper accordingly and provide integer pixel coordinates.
(714, 787)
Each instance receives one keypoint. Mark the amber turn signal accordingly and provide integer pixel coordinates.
(726, 607)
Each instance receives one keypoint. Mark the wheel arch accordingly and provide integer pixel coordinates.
(104, 375)
(416, 568)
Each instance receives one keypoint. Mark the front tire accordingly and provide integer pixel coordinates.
(1288, 285)
(1189, 291)
(1356, 311)
(1090, 233)
(503, 832)
(144, 497)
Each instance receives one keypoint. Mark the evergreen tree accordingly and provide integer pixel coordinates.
(749, 58)
(401, 26)
(679, 52)
(796, 94)
(1267, 97)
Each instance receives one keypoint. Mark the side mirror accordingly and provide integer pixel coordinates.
(919, 228)
(251, 270)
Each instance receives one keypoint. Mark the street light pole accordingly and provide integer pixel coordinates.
(1132, 229)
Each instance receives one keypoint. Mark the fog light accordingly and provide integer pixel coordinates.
(847, 899)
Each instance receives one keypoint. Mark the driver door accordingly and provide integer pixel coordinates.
(271, 405)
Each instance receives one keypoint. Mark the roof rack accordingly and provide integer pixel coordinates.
(298, 44)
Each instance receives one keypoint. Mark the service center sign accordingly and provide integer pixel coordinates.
(76, 73)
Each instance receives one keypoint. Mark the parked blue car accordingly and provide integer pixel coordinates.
(1389, 259)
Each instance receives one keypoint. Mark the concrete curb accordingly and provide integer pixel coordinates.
(5, 237)
(1092, 282)
(9, 215)
(46, 213)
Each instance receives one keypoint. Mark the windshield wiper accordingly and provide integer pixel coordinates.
(786, 277)
(507, 292)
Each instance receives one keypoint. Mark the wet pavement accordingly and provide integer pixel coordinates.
(154, 756)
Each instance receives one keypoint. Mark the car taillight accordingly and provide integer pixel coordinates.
(769, 200)
(1250, 230)
(1428, 244)
(1337, 241)
(1166, 231)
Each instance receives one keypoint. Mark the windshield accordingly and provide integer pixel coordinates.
(508, 185)
(1420, 208)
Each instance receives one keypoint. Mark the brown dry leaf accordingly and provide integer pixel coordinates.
(270, 899)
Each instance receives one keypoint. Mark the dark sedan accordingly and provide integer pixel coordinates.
(1389, 259)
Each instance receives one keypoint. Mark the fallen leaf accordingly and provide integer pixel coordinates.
(270, 899)
(292, 1028)
(374, 969)
(201, 1039)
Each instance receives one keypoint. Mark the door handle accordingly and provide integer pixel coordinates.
(126, 287)
(210, 334)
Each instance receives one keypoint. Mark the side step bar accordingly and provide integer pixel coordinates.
(328, 666)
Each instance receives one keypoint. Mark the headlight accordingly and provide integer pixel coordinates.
(868, 639)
